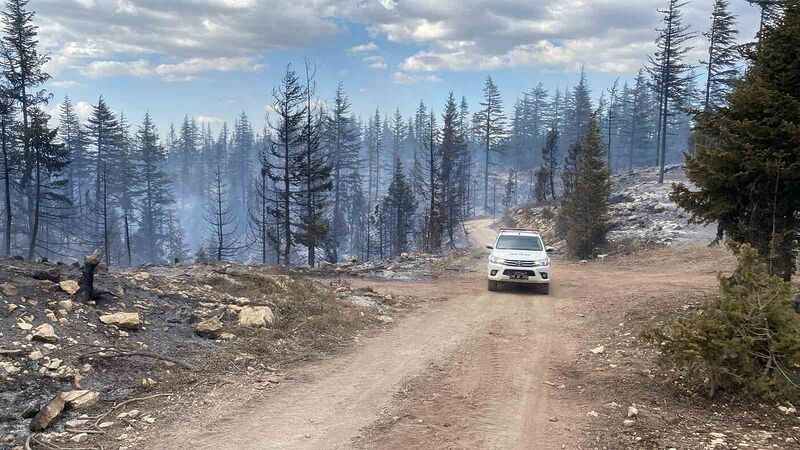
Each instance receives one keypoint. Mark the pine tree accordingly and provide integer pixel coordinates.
(8, 144)
(612, 121)
(314, 173)
(428, 185)
(154, 196)
(399, 206)
(24, 70)
(584, 210)
(723, 54)
(747, 164)
(669, 72)
(343, 142)
(224, 234)
(289, 100)
(103, 134)
(546, 176)
(454, 166)
(50, 160)
(578, 111)
(489, 124)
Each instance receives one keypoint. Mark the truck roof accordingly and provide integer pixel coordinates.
(518, 231)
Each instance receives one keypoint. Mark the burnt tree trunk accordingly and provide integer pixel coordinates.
(87, 277)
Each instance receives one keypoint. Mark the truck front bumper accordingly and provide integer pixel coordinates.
(509, 274)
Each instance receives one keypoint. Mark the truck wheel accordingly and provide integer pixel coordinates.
(492, 285)
(544, 289)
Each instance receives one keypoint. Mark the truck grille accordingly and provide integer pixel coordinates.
(513, 263)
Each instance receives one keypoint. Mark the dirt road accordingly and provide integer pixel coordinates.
(471, 371)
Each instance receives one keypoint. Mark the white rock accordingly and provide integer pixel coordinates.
(126, 320)
(598, 350)
(69, 286)
(256, 317)
(632, 411)
(78, 438)
(45, 333)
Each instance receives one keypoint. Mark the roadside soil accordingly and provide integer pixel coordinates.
(468, 368)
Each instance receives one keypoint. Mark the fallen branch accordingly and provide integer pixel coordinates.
(115, 353)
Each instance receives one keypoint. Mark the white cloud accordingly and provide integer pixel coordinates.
(363, 48)
(116, 35)
(65, 84)
(405, 78)
(181, 71)
(375, 62)
(609, 35)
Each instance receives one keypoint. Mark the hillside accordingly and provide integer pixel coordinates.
(640, 209)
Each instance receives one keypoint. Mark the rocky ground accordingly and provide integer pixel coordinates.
(159, 338)
(641, 212)
(408, 266)
(632, 401)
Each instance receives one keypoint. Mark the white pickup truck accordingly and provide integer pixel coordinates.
(519, 256)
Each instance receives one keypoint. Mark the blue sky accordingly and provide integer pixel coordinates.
(212, 59)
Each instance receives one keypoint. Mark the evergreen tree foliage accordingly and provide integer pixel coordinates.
(670, 71)
(399, 207)
(343, 141)
(747, 164)
(154, 198)
(723, 54)
(743, 340)
(584, 209)
(289, 104)
(314, 176)
(489, 124)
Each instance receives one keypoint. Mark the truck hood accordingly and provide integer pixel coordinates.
(520, 255)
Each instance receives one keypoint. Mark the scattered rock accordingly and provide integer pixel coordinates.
(633, 411)
(10, 368)
(45, 333)
(256, 316)
(9, 289)
(384, 319)
(627, 423)
(24, 326)
(124, 320)
(66, 305)
(141, 276)
(787, 409)
(78, 438)
(227, 336)
(69, 286)
(598, 350)
(210, 328)
(80, 399)
(592, 414)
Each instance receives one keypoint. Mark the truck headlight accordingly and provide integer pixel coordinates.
(495, 260)
(542, 262)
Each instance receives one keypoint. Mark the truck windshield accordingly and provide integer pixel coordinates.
(508, 242)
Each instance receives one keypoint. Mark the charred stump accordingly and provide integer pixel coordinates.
(90, 264)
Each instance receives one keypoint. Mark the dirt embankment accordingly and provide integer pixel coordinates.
(167, 335)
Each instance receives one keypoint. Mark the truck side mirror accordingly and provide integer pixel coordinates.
(549, 249)
(490, 246)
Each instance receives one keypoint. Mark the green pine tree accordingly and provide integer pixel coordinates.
(747, 159)
(584, 210)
